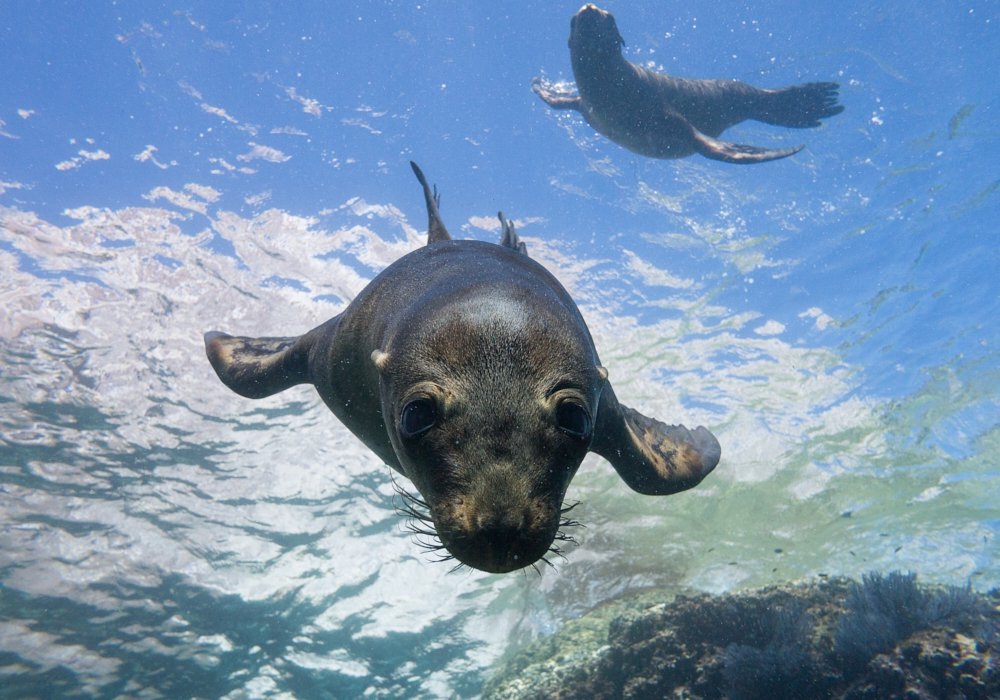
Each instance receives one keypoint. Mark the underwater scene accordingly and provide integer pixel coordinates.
(774, 224)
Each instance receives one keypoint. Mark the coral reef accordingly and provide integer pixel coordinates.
(882, 638)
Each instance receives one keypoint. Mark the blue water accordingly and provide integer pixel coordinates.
(166, 170)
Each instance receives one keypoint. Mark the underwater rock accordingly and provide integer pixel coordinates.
(785, 641)
(884, 609)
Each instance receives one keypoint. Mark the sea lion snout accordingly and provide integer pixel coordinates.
(494, 481)
(498, 527)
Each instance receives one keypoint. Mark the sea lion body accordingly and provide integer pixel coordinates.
(468, 368)
(661, 116)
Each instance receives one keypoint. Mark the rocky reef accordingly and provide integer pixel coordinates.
(881, 638)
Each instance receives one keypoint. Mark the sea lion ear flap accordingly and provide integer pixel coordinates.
(381, 360)
(651, 457)
(259, 367)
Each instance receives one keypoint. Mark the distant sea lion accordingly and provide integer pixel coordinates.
(467, 367)
(661, 116)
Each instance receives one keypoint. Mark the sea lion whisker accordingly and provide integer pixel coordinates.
(412, 517)
(418, 523)
(551, 565)
(565, 509)
(407, 497)
(434, 543)
(558, 552)
(430, 547)
(415, 506)
(416, 501)
(414, 514)
(416, 530)
(410, 508)
(455, 568)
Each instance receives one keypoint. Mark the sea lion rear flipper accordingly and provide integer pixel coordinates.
(799, 106)
(259, 367)
(509, 238)
(716, 149)
(435, 227)
(651, 457)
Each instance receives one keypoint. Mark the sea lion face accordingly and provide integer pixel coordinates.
(490, 412)
(594, 31)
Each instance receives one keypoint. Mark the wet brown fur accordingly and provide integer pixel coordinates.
(501, 461)
(496, 345)
(661, 116)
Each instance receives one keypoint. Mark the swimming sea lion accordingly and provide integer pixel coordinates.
(467, 367)
(661, 116)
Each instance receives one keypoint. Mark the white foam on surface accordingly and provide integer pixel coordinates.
(164, 472)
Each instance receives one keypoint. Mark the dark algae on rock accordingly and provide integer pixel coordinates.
(883, 638)
(882, 610)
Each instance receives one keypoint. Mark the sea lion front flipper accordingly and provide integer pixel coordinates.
(435, 227)
(716, 149)
(556, 99)
(652, 458)
(739, 153)
(509, 237)
(259, 367)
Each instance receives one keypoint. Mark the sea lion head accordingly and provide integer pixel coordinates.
(592, 31)
(490, 404)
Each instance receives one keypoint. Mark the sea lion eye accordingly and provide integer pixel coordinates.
(418, 416)
(573, 419)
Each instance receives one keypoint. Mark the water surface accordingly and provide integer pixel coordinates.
(170, 170)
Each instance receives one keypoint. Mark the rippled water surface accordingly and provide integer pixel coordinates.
(170, 170)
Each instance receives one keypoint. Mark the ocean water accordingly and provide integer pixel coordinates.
(167, 170)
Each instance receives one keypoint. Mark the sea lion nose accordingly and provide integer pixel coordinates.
(504, 547)
(499, 542)
(505, 536)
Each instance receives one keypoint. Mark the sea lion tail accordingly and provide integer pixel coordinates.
(259, 367)
(435, 227)
(799, 106)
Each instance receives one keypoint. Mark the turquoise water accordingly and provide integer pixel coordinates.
(170, 170)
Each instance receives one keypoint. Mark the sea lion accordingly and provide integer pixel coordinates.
(661, 116)
(468, 368)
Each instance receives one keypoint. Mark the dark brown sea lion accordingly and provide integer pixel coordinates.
(661, 116)
(467, 367)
